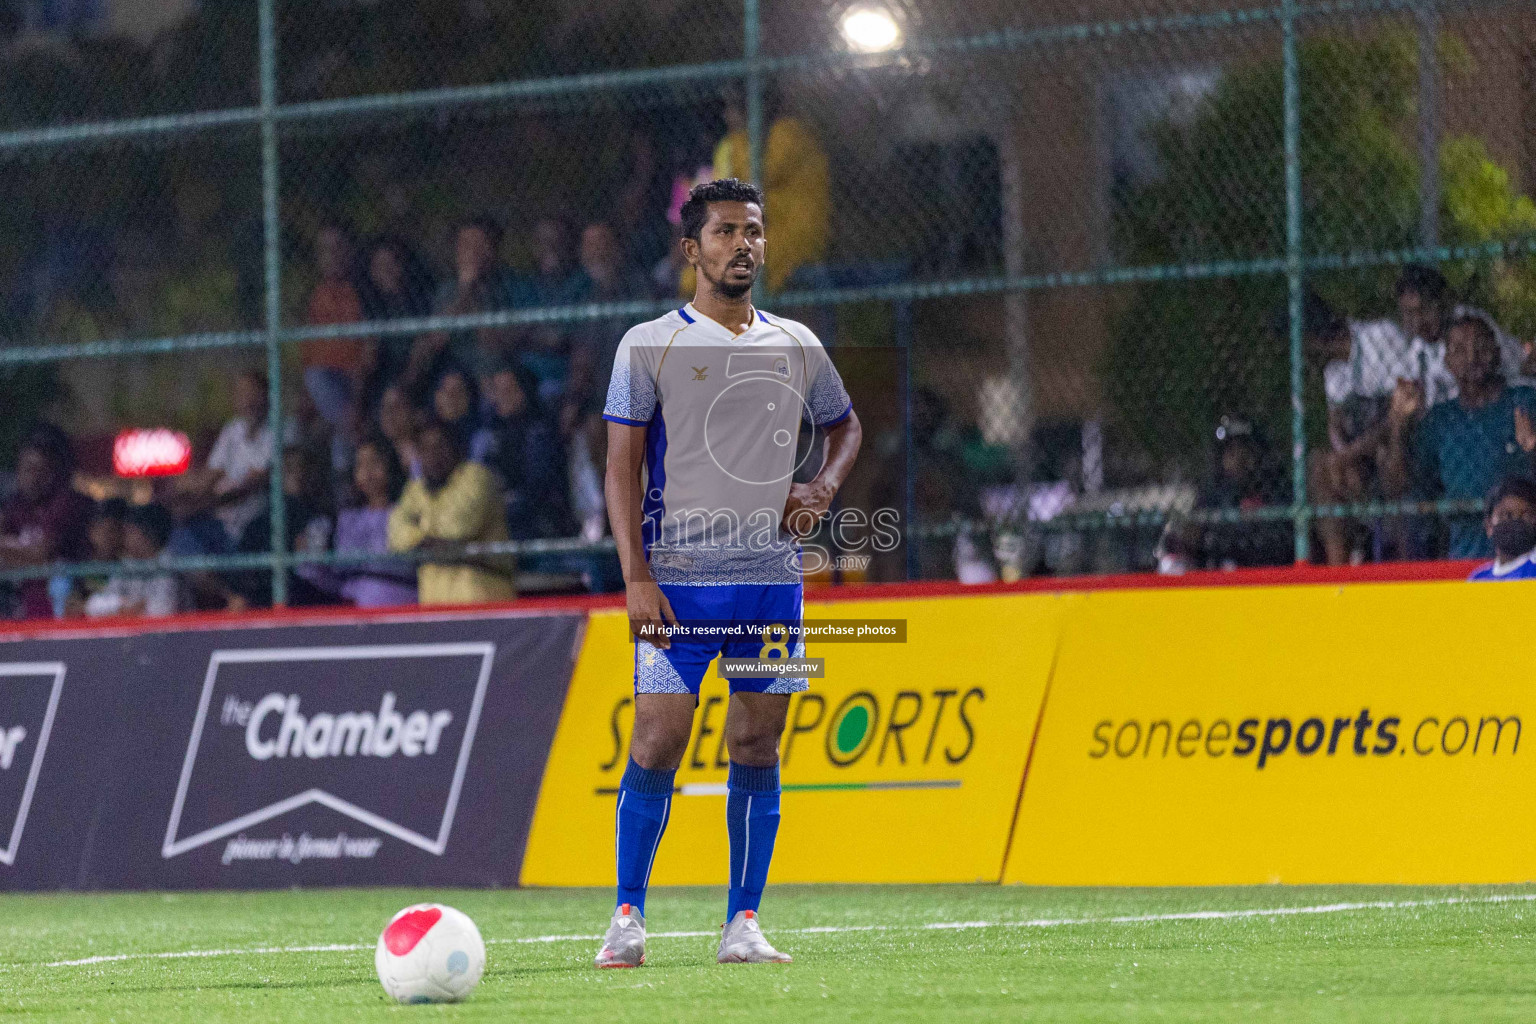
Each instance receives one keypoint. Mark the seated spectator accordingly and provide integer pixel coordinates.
(481, 284)
(1511, 528)
(606, 277)
(556, 281)
(1425, 309)
(104, 536)
(453, 502)
(399, 420)
(382, 582)
(336, 369)
(307, 508)
(519, 443)
(1460, 449)
(47, 519)
(145, 535)
(105, 532)
(240, 464)
(1365, 360)
(397, 286)
(1246, 478)
(456, 404)
(198, 532)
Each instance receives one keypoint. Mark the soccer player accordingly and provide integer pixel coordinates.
(704, 409)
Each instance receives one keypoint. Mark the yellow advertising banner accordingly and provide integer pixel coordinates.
(902, 765)
(1363, 733)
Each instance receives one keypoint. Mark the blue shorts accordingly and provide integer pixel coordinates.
(681, 667)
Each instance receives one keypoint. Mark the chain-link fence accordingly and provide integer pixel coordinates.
(1114, 286)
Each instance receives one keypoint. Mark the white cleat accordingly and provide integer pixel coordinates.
(624, 945)
(742, 942)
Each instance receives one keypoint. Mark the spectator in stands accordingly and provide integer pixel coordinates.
(399, 420)
(240, 463)
(307, 507)
(46, 519)
(640, 204)
(379, 583)
(398, 286)
(519, 443)
(1511, 528)
(1364, 362)
(104, 537)
(453, 502)
(607, 276)
(198, 532)
(456, 404)
(1425, 309)
(312, 431)
(145, 535)
(336, 369)
(105, 532)
(1246, 478)
(481, 283)
(1459, 449)
(795, 179)
(556, 281)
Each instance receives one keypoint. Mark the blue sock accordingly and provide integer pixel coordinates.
(645, 801)
(752, 818)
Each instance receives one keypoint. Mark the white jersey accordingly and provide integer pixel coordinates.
(723, 414)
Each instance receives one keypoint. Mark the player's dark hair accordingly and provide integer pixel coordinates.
(1517, 486)
(722, 190)
(1422, 280)
(485, 223)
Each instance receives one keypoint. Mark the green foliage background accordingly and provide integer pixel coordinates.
(1182, 354)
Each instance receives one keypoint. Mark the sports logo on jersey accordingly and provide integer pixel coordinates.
(781, 367)
(699, 374)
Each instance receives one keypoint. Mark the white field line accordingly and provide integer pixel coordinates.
(1041, 922)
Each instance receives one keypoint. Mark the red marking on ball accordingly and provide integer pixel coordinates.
(406, 930)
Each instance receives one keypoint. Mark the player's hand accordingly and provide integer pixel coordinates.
(649, 611)
(1525, 433)
(806, 506)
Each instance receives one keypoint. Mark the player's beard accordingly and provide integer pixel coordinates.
(733, 291)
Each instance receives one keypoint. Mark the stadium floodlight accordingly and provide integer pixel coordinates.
(870, 30)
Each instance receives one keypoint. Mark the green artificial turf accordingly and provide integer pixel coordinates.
(1467, 961)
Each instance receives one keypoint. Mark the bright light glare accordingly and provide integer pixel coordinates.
(870, 30)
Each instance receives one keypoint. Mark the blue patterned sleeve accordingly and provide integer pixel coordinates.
(632, 388)
(826, 402)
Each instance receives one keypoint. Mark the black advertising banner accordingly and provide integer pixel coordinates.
(373, 752)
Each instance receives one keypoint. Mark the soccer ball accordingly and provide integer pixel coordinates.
(430, 953)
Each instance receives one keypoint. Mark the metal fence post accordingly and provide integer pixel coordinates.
(272, 254)
(751, 27)
(1301, 512)
(1429, 128)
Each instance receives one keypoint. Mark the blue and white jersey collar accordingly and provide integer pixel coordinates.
(692, 316)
